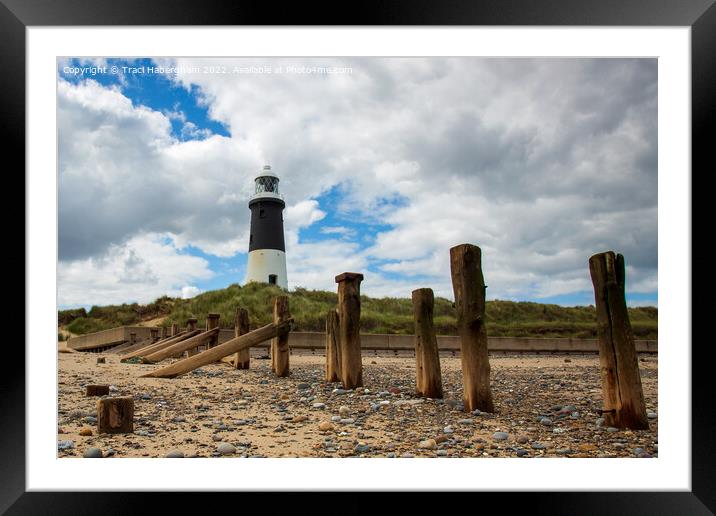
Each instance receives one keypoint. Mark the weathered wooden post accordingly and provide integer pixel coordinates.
(212, 321)
(241, 359)
(97, 390)
(175, 329)
(154, 333)
(333, 358)
(351, 369)
(428, 381)
(624, 405)
(469, 289)
(279, 345)
(191, 326)
(133, 338)
(165, 332)
(115, 415)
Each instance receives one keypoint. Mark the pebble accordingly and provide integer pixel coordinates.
(303, 386)
(341, 391)
(216, 438)
(390, 455)
(325, 426)
(92, 453)
(651, 415)
(175, 454)
(86, 431)
(522, 439)
(521, 452)
(545, 421)
(226, 449)
(299, 419)
(612, 429)
(500, 436)
(343, 410)
(448, 430)
(65, 445)
(347, 421)
(428, 444)
(319, 405)
(538, 446)
(476, 412)
(362, 448)
(599, 422)
(336, 418)
(113, 388)
(407, 455)
(179, 419)
(465, 421)
(442, 453)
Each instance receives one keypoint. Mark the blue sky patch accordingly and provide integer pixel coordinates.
(189, 119)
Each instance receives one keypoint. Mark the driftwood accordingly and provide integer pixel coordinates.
(147, 350)
(179, 347)
(428, 381)
(469, 289)
(349, 329)
(624, 405)
(139, 345)
(333, 358)
(222, 350)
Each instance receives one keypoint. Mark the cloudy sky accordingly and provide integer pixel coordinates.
(384, 163)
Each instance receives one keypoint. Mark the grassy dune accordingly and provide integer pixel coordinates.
(384, 315)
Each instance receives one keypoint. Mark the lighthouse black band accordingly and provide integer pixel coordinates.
(266, 224)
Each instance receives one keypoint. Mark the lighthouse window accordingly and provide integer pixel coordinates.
(272, 279)
(266, 184)
(262, 213)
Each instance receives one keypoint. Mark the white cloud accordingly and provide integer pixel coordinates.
(140, 270)
(189, 291)
(540, 162)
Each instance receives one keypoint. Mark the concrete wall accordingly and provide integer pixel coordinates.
(111, 337)
(317, 341)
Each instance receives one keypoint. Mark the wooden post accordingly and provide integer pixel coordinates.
(212, 321)
(242, 359)
(469, 289)
(428, 381)
(133, 338)
(154, 332)
(624, 405)
(279, 345)
(351, 369)
(175, 329)
(191, 325)
(165, 332)
(333, 358)
(222, 350)
(115, 415)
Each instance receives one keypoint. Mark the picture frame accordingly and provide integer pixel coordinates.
(17, 15)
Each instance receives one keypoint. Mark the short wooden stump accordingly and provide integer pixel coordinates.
(97, 390)
(115, 415)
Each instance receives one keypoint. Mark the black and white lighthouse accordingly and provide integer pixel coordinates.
(267, 248)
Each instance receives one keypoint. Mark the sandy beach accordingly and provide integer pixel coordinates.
(547, 405)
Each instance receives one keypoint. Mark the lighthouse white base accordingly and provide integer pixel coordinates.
(264, 264)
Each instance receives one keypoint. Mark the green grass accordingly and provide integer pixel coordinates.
(384, 315)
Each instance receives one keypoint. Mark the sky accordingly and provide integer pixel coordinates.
(385, 164)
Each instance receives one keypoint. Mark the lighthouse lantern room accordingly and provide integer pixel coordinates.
(267, 248)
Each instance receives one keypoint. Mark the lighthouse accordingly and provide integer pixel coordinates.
(267, 249)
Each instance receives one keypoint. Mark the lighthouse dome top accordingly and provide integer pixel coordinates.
(266, 184)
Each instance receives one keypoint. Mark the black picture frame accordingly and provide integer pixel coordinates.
(700, 15)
